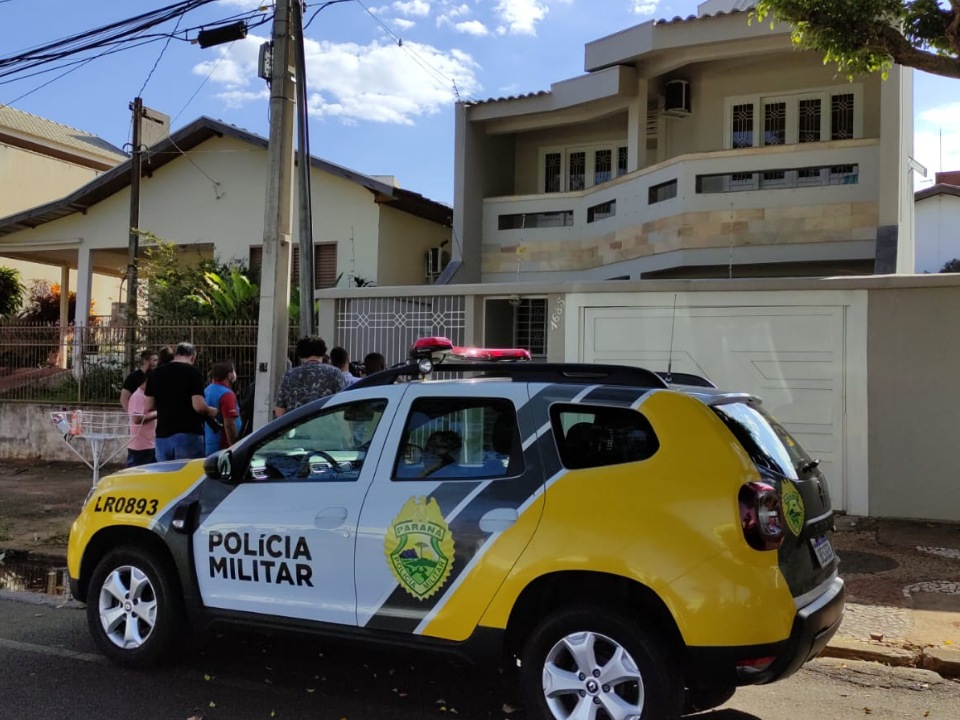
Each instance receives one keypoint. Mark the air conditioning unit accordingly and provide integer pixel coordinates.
(436, 260)
(676, 98)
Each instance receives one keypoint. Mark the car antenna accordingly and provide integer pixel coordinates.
(673, 325)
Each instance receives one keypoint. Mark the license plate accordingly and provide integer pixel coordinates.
(823, 549)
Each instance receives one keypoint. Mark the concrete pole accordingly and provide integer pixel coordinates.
(274, 321)
(136, 170)
(305, 232)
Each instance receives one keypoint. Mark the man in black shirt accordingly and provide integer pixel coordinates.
(175, 391)
(148, 360)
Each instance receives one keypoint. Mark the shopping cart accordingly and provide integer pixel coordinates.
(97, 428)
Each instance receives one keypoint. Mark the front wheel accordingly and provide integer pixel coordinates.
(133, 611)
(582, 663)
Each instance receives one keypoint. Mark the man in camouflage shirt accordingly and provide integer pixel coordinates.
(310, 380)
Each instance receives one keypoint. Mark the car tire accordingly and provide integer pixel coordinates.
(566, 659)
(701, 699)
(134, 611)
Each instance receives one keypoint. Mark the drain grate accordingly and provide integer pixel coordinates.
(853, 561)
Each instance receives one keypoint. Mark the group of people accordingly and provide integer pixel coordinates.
(174, 415)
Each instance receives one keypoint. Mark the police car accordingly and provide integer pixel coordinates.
(636, 548)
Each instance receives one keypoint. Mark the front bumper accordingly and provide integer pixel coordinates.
(813, 626)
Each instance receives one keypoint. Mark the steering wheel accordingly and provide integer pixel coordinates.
(305, 469)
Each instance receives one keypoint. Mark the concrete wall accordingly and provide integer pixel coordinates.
(404, 241)
(938, 232)
(28, 433)
(914, 401)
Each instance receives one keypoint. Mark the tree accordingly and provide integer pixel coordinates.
(43, 303)
(11, 291)
(866, 36)
(951, 266)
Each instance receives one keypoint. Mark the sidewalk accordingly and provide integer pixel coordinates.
(903, 593)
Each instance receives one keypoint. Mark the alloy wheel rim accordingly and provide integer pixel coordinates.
(589, 676)
(128, 607)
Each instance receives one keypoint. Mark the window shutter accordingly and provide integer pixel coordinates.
(324, 264)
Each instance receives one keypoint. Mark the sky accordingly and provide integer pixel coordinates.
(383, 77)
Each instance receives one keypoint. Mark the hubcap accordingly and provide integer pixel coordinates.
(589, 676)
(128, 607)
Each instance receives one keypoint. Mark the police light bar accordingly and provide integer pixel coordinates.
(431, 347)
(490, 354)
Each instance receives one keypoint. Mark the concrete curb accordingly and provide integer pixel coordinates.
(944, 661)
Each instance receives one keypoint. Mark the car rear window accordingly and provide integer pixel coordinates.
(766, 441)
(594, 436)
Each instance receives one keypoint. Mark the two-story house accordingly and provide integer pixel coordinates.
(706, 146)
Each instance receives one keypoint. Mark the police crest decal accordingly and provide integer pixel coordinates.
(419, 547)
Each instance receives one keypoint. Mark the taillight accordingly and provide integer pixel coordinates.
(761, 516)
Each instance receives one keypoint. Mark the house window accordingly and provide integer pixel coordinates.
(621, 161)
(808, 117)
(324, 264)
(573, 169)
(841, 117)
(530, 326)
(742, 126)
(810, 120)
(522, 221)
(602, 211)
(775, 123)
(602, 166)
(577, 172)
(552, 167)
(661, 192)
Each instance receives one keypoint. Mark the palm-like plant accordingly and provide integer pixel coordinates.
(11, 291)
(228, 298)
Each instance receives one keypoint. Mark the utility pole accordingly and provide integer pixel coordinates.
(274, 320)
(305, 232)
(136, 169)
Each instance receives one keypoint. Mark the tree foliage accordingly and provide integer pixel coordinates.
(11, 291)
(230, 297)
(867, 36)
(42, 303)
(951, 266)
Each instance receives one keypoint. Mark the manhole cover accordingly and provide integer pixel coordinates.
(852, 561)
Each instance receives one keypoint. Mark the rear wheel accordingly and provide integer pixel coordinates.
(581, 664)
(133, 611)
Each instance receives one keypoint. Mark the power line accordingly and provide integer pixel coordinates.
(159, 57)
(200, 86)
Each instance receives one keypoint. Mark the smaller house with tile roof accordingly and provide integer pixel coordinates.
(203, 188)
(697, 147)
(938, 222)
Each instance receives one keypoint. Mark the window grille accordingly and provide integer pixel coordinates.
(602, 166)
(810, 120)
(775, 123)
(602, 211)
(530, 326)
(621, 161)
(578, 171)
(841, 117)
(552, 167)
(520, 221)
(661, 192)
(743, 126)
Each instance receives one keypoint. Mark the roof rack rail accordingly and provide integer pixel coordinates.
(582, 373)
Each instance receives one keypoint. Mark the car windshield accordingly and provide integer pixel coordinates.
(767, 441)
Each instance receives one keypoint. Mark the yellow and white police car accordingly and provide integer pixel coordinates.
(637, 548)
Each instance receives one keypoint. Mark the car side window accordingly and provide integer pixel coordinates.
(459, 439)
(330, 446)
(596, 436)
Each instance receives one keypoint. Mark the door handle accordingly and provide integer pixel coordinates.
(330, 518)
(498, 519)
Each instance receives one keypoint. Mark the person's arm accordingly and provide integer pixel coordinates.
(149, 405)
(125, 399)
(139, 419)
(278, 411)
(229, 412)
(200, 406)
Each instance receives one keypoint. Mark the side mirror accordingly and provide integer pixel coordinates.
(219, 466)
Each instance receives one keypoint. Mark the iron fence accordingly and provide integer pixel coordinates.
(86, 365)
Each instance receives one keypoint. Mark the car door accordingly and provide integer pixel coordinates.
(282, 541)
(456, 498)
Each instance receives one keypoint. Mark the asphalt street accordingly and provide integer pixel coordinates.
(49, 667)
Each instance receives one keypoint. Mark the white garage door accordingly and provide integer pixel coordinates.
(792, 357)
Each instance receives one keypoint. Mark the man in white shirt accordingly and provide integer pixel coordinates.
(340, 359)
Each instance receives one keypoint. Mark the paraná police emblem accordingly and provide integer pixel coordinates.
(792, 507)
(419, 547)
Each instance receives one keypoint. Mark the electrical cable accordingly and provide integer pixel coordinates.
(159, 57)
(321, 7)
(200, 86)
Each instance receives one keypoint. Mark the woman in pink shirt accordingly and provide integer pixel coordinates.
(143, 429)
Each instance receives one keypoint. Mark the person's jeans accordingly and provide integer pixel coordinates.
(181, 446)
(140, 457)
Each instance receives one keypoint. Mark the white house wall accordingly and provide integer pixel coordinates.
(938, 232)
(804, 353)
(30, 179)
(182, 204)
